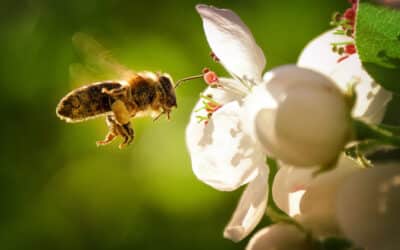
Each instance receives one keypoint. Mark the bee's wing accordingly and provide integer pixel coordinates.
(98, 63)
(81, 74)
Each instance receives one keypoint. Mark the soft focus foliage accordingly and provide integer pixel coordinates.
(58, 190)
(380, 53)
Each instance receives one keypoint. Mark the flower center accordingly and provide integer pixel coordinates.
(345, 24)
(210, 106)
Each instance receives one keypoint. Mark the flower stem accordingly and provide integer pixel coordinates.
(342, 43)
(383, 134)
(394, 129)
(207, 98)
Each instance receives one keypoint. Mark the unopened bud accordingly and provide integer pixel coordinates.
(310, 122)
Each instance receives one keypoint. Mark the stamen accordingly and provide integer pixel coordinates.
(214, 57)
(211, 79)
(342, 58)
(345, 24)
(210, 106)
(242, 80)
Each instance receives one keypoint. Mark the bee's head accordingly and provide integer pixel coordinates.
(169, 90)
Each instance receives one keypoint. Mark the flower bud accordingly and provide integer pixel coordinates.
(310, 121)
(318, 204)
(312, 200)
(279, 237)
(368, 207)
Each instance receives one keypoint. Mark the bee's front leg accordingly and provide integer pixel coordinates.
(168, 112)
(116, 129)
(164, 111)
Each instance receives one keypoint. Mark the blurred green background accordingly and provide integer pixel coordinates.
(57, 189)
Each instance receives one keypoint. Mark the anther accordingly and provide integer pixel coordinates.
(349, 32)
(210, 78)
(350, 49)
(214, 57)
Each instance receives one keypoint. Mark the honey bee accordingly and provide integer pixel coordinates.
(138, 94)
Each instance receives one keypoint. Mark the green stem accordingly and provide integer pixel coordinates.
(378, 133)
(394, 129)
(209, 99)
(342, 43)
(339, 32)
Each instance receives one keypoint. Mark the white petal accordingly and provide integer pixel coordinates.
(219, 95)
(232, 42)
(223, 155)
(312, 199)
(290, 180)
(234, 86)
(368, 207)
(279, 237)
(250, 209)
(372, 99)
(318, 204)
(259, 98)
(318, 54)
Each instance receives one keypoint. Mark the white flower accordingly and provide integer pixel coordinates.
(227, 153)
(224, 154)
(295, 191)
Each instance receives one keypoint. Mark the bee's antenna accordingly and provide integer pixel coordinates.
(179, 82)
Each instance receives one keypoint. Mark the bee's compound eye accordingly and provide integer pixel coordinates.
(173, 102)
(169, 90)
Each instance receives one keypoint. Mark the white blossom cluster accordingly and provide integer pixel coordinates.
(301, 116)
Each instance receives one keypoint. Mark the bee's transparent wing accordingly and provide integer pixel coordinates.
(98, 63)
(81, 74)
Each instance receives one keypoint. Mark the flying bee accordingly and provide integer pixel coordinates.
(144, 94)
(140, 94)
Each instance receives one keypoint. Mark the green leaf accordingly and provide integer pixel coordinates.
(378, 43)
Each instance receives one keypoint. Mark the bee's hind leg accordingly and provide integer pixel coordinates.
(128, 135)
(116, 129)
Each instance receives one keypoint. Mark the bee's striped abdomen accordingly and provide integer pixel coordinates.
(86, 102)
